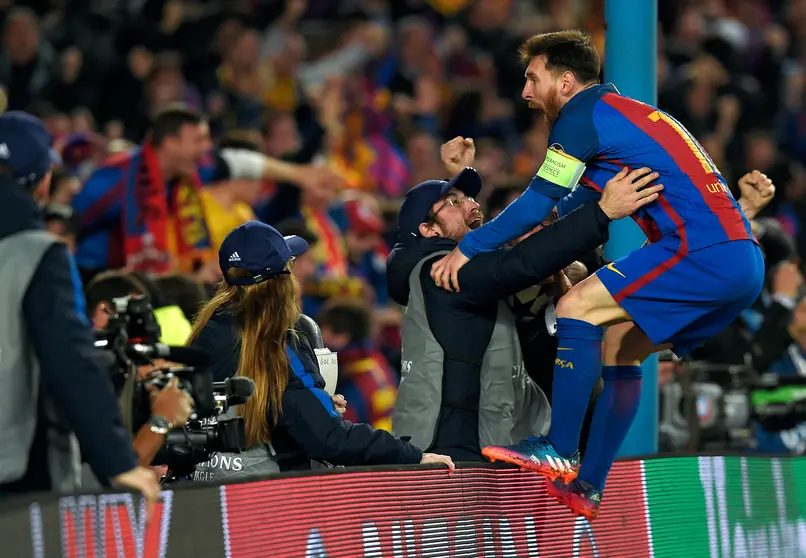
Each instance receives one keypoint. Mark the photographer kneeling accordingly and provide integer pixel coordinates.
(249, 330)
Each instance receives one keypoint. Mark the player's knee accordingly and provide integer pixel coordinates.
(573, 305)
(625, 348)
(622, 356)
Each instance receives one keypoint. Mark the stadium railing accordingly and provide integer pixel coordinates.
(689, 507)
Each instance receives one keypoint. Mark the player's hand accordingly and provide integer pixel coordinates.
(457, 154)
(445, 272)
(757, 191)
(340, 403)
(172, 402)
(627, 192)
(143, 480)
(436, 458)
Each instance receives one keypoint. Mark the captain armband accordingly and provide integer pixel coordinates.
(561, 169)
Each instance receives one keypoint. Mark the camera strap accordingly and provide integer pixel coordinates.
(126, 400)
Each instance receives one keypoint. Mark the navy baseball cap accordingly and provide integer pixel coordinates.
(260, 249)
(418, 201)
(25, 147)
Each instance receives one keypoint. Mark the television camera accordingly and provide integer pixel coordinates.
(710, 406)
(132, 338)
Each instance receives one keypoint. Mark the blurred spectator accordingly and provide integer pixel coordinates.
(183, 291)
(366, 249)
(82, 152)
(304, 264)
(60, 220)
(792, 362)
(228, 202)
(365, 379)
(28, 61)
(103, 289)
(175, 328)
(143, 209)
(63, 187)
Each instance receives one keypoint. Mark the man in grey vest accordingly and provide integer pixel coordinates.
(464, 383)
(53, 392)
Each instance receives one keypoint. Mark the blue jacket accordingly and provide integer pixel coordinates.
(78, 386)
(309, 426)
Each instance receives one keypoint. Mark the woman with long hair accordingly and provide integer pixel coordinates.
(249, 329)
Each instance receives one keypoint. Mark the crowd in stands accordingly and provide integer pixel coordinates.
(370, 89)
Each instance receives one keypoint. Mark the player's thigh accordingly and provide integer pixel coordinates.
(702, 329)
(590, 301)
(673, 292)
(626, 345)
(647, 284)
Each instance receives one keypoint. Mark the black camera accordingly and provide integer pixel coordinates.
(202, 436)
(132, 336)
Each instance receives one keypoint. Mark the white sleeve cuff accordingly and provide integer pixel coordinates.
(785, 301)
(243, 163)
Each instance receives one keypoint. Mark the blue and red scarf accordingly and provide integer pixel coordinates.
(165, 228)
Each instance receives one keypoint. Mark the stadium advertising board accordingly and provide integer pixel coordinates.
(717, 507)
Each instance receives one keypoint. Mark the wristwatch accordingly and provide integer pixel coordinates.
(159, 425)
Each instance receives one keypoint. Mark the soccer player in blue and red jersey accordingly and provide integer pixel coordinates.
(701, 268)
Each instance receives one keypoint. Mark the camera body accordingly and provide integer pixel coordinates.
(132, 336)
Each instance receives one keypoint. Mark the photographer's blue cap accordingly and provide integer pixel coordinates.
(25, 147)
(260, 249)
(418, 201)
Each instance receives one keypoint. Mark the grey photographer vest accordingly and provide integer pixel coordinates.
(20, 255)
(511, 406)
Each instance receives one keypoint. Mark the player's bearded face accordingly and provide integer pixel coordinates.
(551, 104)
(542, 88)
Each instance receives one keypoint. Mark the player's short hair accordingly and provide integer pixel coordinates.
(170, 122)
(565, 51)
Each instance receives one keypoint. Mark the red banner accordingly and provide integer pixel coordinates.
(113, 525)
(474, 512)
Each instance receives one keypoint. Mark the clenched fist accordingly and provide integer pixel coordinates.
(757, 191)
(457, 154)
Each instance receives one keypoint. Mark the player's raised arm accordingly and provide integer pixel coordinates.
(552, 81)
(556, 178)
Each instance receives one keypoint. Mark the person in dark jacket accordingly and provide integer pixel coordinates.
(248, 328)
(433, 218)
(62, 389)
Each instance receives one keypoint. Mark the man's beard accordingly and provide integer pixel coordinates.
(476, 221)
(553, 106)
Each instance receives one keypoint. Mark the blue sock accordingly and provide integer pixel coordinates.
(576, 370)
(612, 418)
